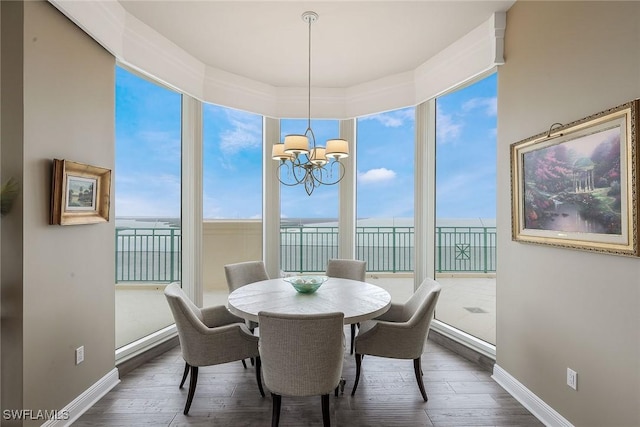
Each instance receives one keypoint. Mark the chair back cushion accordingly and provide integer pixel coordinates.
(405, 338)
(243, 273)
(423, 302)
(353, 269)
(301, 354)
(202, 345)
(421, 306)
(189, 322)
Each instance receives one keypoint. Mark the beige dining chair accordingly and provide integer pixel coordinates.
(353, 269)
(209, 336)
(401, 332)
(241, 274)
(301, 356)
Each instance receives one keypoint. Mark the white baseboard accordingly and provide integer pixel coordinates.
(86, 400)
(545, 413)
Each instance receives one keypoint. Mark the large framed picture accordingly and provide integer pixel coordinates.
(79, 193)
(576, 185)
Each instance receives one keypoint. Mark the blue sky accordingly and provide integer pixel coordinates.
(147, 172)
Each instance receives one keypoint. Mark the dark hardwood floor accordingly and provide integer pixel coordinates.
(460, 394)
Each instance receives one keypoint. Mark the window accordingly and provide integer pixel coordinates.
(385, 199)
(309, 224)
(147, 204)
(232, 194)
(465, 235)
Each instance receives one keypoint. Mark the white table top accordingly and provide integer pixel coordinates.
(357, 300)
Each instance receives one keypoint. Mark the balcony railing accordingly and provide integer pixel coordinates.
(148, 255)
(154, 254)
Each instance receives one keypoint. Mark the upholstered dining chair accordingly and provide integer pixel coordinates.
(243, 273)
(209, 336)
(401, 332)
(353, 269)
(301, 356)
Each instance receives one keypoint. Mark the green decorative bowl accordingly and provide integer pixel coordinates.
(306, 284)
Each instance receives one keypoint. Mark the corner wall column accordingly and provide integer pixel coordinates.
(192, 198)
(347, 195)
(425, 191)
(271, 199)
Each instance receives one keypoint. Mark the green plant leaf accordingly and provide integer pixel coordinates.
(8, 195)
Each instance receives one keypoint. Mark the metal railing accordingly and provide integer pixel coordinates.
(389, 249)
(154, 254)
(148, 254)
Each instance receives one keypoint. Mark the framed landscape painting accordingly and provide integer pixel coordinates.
(576, 185)
(79, 193)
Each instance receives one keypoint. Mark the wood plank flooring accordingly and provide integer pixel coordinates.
(460, 394)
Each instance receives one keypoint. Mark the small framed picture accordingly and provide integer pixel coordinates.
(80, 193)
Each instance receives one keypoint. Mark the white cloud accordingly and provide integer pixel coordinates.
(376, 176)
(393, 119)
(489, 105)
(447, 128)
(245, 132)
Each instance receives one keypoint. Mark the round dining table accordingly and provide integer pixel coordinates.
(358, 301)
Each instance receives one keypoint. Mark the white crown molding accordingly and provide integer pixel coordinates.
(472, 55)
(138, 46)
(145, 50)
(102, 20)
(539, 408)
(231, 90)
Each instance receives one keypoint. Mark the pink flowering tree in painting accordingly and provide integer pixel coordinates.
(567, 189)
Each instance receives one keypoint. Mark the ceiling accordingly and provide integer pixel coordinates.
(353, 42)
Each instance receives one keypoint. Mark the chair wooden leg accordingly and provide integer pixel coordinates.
(244, 364)
(258, 376)
(184, 375)
(355, 383)
(353, 335)
(275, 413)
(326, 415)
(192, 388)
(252, 330)
(418, 370)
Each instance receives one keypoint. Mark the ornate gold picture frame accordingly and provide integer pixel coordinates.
(79, 193)
(576, 185)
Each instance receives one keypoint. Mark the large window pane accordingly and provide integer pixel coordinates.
(385, 199)
(465, 208)
(147, 204)
(232, 199)
(309, 224)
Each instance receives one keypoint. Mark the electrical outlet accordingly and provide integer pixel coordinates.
(79, 355)
(572, 378)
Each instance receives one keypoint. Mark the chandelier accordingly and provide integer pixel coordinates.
(309, 164)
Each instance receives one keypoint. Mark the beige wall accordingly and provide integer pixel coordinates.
(560, 308)
(67, 272)
(11, 255)
(226, 242)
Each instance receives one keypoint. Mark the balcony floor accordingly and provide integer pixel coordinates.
(466, 303)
